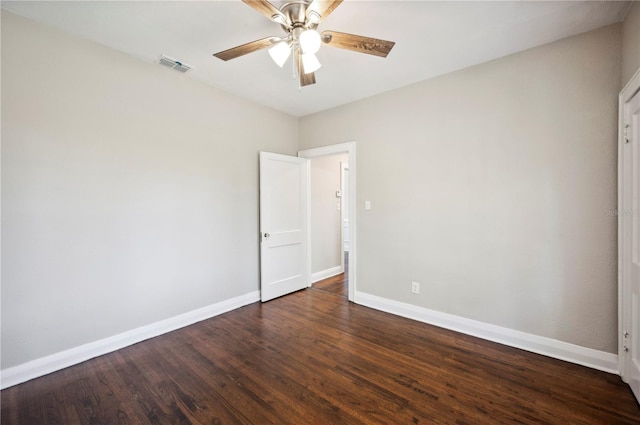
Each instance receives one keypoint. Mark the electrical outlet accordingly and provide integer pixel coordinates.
(415, 287)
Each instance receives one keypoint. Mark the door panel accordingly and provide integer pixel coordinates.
(630, 222)
(284, 245)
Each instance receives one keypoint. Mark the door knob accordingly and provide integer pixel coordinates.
(266, 235)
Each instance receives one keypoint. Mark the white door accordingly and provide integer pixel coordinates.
(284, 240)
(630, 226)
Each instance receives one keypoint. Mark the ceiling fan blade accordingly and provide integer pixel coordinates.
(268, 10)
(323, 7)
(305, 79)
(358, 43)
(244, 49)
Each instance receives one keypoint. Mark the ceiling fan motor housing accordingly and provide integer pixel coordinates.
(296, 13)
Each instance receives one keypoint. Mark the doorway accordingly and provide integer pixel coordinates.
(333, 268)
(329, 229)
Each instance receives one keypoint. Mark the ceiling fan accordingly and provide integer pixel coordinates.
(299, 20)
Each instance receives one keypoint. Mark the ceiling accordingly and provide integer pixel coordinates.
(432, 38)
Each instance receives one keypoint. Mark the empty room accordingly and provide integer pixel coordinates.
(320, 212)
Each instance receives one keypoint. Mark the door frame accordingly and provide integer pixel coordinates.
(627, 93)
(344, 175)
(350, 149)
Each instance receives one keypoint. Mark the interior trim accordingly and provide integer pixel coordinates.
(327, 273)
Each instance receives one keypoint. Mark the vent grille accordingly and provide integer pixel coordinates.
(173, 64)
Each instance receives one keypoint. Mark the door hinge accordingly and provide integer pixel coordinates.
(626, 133)
(625, 335)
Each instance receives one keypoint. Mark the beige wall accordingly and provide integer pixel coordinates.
(492, 187)
(129, 191)
(631, 43)
(326, 233)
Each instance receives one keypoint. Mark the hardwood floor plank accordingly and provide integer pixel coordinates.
(284, 377)
(139, 391)
(313, 357)
(218, 379)
(112, 386)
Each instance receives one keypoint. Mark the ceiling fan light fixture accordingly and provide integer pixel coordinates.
(309, 41)
(310, 63)
(299, 20)
(280, 53)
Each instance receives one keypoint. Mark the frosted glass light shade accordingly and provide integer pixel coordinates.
(310, 41)
(280, 53)
(310, 63)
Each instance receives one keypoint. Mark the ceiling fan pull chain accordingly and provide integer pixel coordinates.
(294, 75)
(296, 66)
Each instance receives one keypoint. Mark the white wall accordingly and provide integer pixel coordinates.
(326, 218)
(631, 43)
(129, 191)
(493, 186)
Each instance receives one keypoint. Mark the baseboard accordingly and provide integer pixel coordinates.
(45, 365)
(595, 359)
(323, 274)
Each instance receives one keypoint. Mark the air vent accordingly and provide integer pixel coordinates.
(173, 64)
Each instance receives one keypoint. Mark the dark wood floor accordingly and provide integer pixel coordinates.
(314, 358)
(336, 284)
